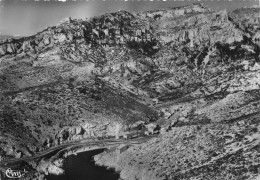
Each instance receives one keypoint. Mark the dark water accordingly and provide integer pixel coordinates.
(82, 167)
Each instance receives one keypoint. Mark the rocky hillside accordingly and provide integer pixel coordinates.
(190, 70)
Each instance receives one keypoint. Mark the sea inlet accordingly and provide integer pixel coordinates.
(82, 167)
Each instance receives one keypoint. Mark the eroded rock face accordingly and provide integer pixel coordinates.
(189, 70)
(48, 167)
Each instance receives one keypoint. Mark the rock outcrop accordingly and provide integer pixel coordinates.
(191, 71)
(48, 167)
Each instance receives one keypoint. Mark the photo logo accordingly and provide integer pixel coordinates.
(15, 173)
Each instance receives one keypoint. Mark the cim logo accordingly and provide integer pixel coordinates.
(15, 173)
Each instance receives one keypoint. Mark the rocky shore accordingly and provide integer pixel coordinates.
(190, 74)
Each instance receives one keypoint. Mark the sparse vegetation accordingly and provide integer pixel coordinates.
(192, 73)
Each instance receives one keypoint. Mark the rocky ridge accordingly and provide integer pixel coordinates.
(193, 71)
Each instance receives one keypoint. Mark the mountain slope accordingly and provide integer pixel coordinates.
(190, 70)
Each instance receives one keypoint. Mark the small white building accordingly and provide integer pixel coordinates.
(121, 148)
(197, 8)
(68, 20)
(151, 127)
(179, 12)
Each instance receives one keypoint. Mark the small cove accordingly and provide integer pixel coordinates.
(82, 167)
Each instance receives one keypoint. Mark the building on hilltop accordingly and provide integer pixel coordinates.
(65, 20)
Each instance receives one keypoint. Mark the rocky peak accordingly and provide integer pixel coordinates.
(175, 11)
(65, 20)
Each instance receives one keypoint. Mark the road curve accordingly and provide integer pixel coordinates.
(102, 143)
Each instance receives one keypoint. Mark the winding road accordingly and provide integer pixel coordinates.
(86, 143)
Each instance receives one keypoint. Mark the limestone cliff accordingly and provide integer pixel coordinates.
(192, 71)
